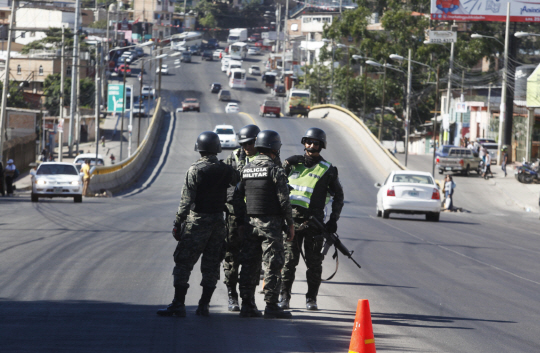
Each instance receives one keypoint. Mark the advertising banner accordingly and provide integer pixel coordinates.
(485, 10)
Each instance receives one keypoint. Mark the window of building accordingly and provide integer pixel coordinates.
(156, 16)
(306, 19)
(32, 34)
(23, 34)
(40, 70)
(327, 19)
(19, 69)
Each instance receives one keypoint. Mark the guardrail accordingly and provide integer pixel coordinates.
(119, 176)
(364, 127)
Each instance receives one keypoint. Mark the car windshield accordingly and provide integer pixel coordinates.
(445, 149)
(225, 131)
(272, 103)
(57, 169)
(225, 93)
(191, 101)
(412, 178)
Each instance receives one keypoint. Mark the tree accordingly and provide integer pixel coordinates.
(51, 91)
(15, 96)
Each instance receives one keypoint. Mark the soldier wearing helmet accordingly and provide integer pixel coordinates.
(313, 180)
(264, 188)
(199, 227)
(231, 249)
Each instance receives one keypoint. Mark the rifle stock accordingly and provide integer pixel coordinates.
(332, 239)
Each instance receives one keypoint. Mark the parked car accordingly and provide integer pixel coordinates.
(185, 57)
(409, 192)
(215, 87)
(279, 91)
(139, 108)
(224, 95)
(270, 107)
(55, 179)
(207, 55)
(227, 136)
(459, 159)
(217, 53)
(232, 108)
(164, 69)
(139, 52)
(443, 150)
(255, 70)
(191, 104)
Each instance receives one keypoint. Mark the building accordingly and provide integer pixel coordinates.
(159, 13)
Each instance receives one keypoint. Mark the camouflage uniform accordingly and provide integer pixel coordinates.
(265, 240)
(204, 232)
(312, 240)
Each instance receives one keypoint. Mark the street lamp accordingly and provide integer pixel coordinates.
(526, 34)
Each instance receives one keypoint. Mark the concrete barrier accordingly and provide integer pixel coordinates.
(119, 176)
(383, 161)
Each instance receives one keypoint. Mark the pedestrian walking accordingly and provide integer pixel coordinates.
(233, 244)
(312, 178)
(504, 158)
(264, 188)
(199, 227)
(85, 169)
(487, 159)
(113, 158)
(449, 186)
(10, 174)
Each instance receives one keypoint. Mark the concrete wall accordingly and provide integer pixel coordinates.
(120, 176)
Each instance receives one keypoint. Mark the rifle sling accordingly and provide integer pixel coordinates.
(333, 256)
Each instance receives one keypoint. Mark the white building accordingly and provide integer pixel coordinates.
(41, 17)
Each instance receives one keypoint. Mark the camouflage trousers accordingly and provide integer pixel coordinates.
(313, 243)
(231, 252)
(204, 235)
(264, 241)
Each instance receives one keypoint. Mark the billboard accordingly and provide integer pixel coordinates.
(485, 10)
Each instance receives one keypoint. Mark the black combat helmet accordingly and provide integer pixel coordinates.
(316, 134)
(248, 132)
(268, 139)
(208, 141)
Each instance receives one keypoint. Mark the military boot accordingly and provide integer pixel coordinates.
(233, 299)
(285, 295)
(311, 297)
(249, 308)
(204, 302)
(177, 307)
(311, 304)
(273, 311)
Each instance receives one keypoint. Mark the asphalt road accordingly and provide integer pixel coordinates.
(89, 277)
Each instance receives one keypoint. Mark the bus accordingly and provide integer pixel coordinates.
(238, 51)
(182, 41)
(238, 78)
(233, 64)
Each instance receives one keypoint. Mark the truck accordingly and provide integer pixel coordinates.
(460, 160)
(237, 35)
(270, 106)
(297, 102)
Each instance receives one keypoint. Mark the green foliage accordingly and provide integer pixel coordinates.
(102, 24)
(16, 98)
(220, 15)
(51, 91)
(53, 40)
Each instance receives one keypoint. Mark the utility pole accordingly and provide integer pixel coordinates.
(382, 106)
(461, 99)
(62, 73)
(435, 122)
(160, 64)
(408, 110)
(123, 111)
(285, 31)
(74, 76)
(6, 78)
(78, 90)
(278, 17)
(140, 103)
(503, 116)
(98, 98)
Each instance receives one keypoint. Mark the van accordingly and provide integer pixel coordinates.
(233, 64)
(224, 95)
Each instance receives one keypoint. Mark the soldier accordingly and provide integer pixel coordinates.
(237, 159)
(313, 179)
(199, 227)
(264, 187)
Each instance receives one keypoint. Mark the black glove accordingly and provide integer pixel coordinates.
(295, 159)
(177, 231)
(331, 225)
(242, 156)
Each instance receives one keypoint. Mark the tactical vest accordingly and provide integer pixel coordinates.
(212, 190)
(303, 180)
(260, 190)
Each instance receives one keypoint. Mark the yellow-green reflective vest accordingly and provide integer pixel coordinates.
(249, 158)
(303, 181)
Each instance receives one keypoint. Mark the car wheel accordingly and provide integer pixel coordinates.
(440, 171)
(385, 214)
(467, 171)
(34, 197)
(77, 198)
(378, 212)
(432, 217)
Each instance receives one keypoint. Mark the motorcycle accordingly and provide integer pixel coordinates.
(528, 172)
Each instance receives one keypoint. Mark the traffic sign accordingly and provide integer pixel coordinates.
(115, 100)
(442, 36)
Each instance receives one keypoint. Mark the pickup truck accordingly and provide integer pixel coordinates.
(270, 106)
(462, 160)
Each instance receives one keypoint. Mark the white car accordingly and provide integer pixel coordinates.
(253, 51)
(164, 69)
(227, 136)
(232, 108)
(55, 179)
(224, 65)
(255, 70)
(216, 53)
(147, 91)
(81, 158)
(409, 192)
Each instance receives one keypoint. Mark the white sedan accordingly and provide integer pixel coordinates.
(232, 108)
(255, 70)
(54, 179)
(164, 69)
(227, 136)
(409, 192)
(217, 53)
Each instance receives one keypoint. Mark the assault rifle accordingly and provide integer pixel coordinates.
(332, 239)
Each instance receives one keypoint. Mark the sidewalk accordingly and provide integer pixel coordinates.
(479, 195)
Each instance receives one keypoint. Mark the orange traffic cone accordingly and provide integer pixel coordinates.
(362, 340)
